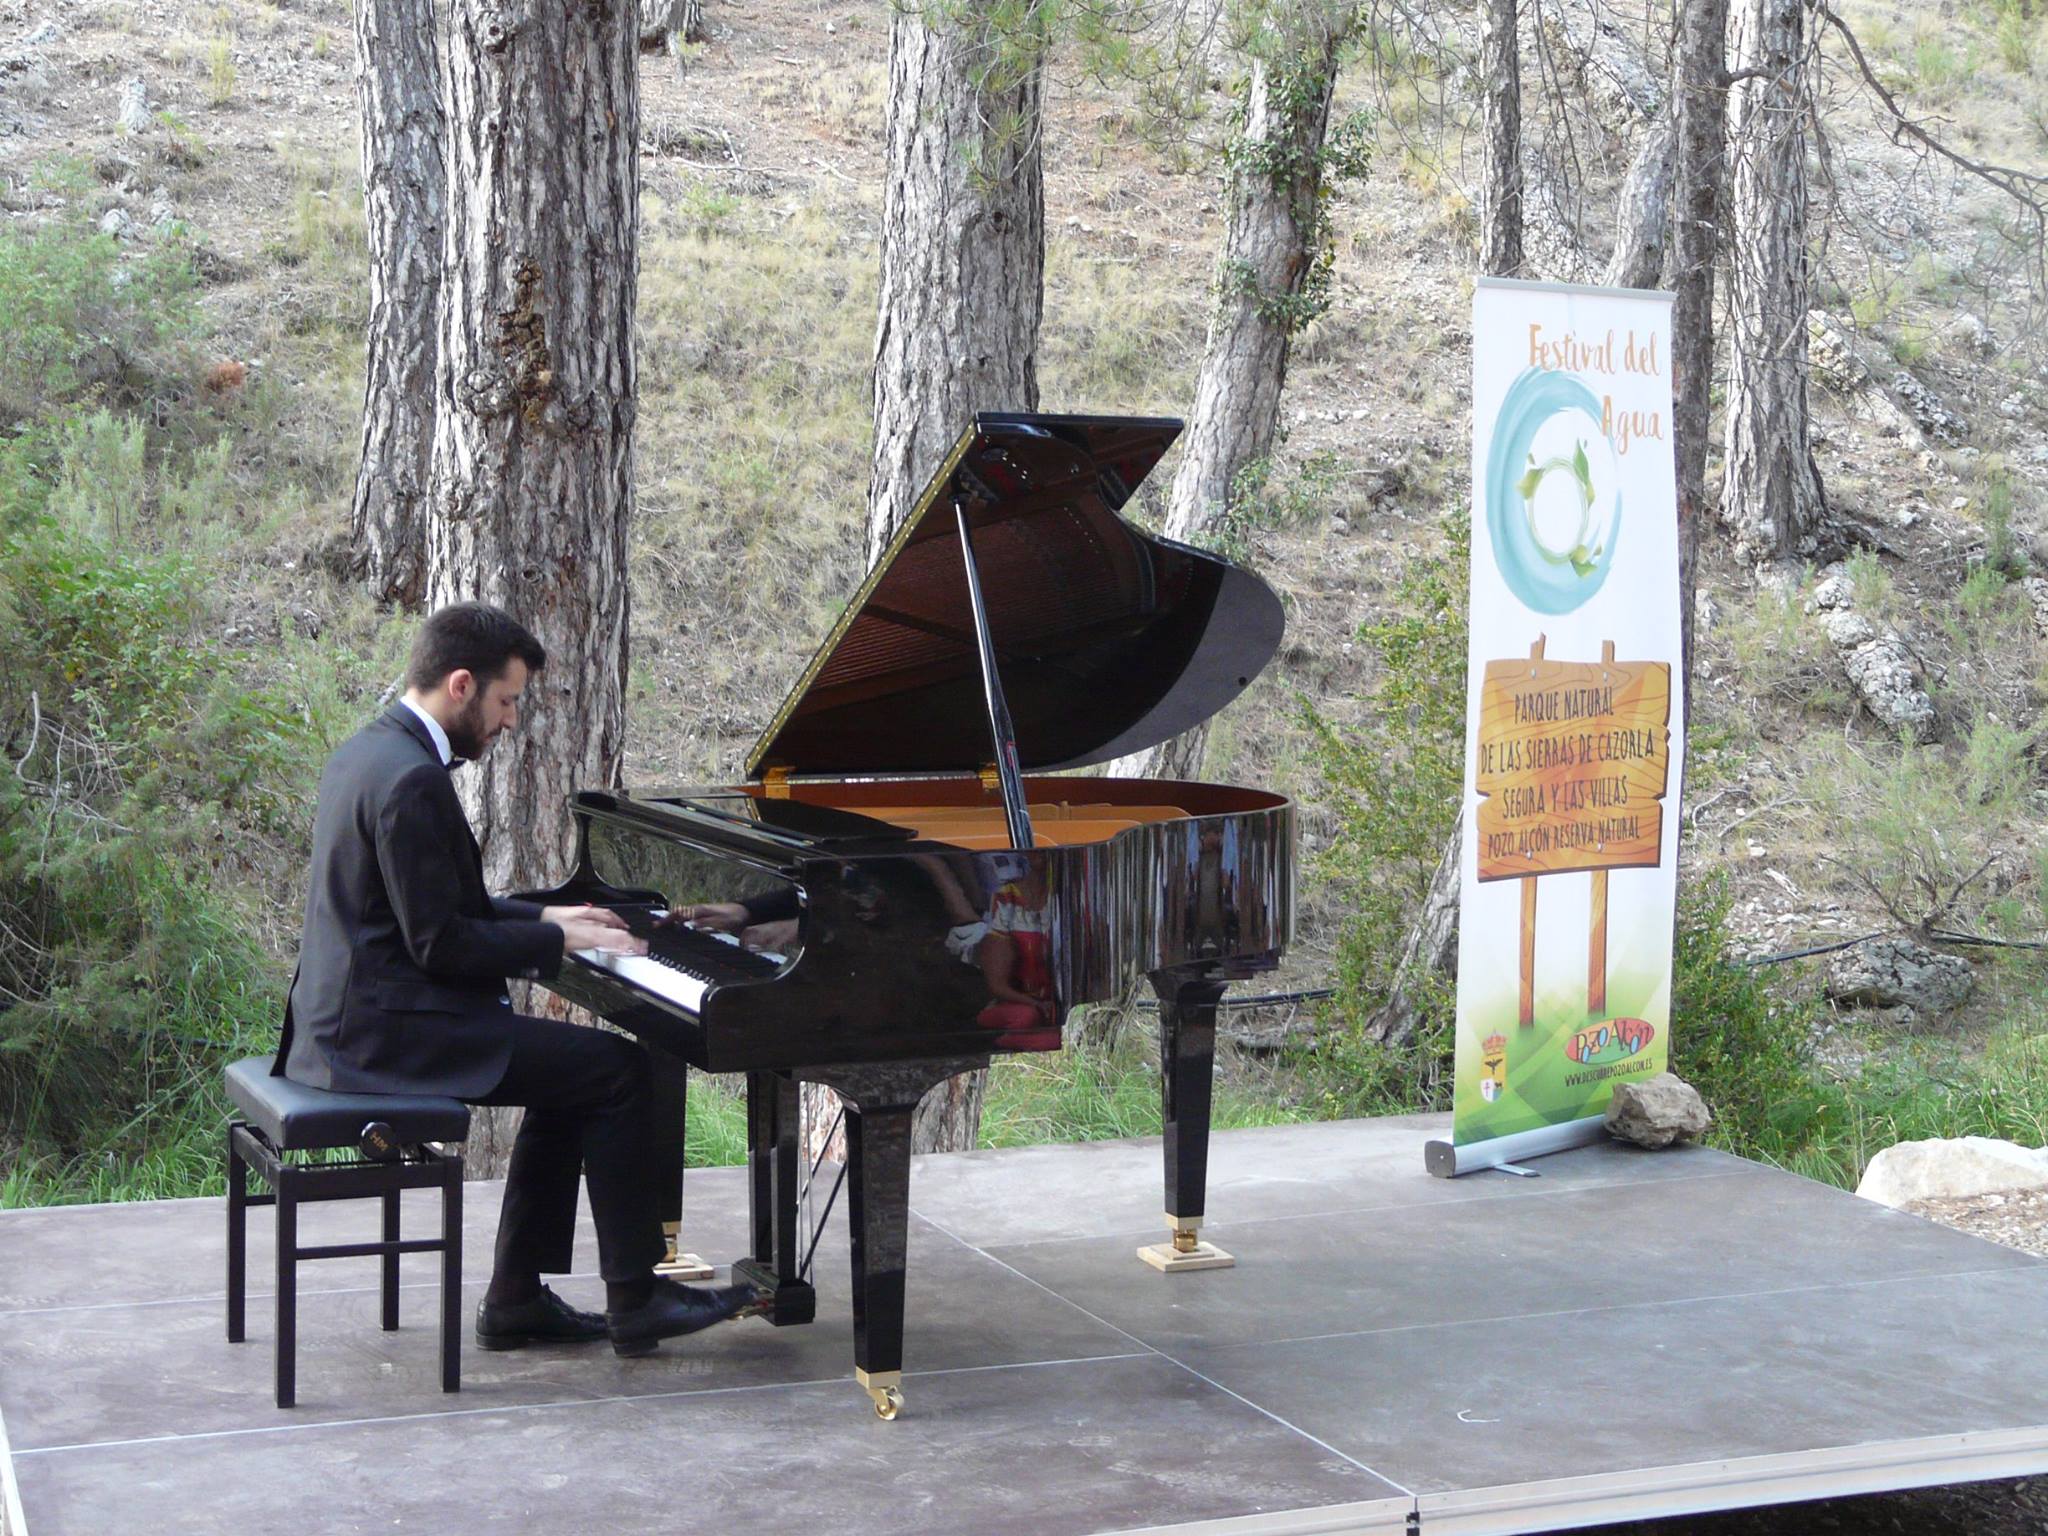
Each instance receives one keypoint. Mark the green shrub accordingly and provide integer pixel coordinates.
(1394, 780)
(2001, 550)
(1736, 1034)
(126, 976)
(1926, 831)
(83, 319)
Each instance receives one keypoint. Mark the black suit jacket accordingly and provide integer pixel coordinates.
(404, 955)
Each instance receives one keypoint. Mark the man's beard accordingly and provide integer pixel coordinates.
(466, 737)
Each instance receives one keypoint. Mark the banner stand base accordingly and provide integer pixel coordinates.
(1446, 1160)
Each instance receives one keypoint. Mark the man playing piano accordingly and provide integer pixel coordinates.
(401, 989)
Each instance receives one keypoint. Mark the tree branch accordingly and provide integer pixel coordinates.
(2025, 188)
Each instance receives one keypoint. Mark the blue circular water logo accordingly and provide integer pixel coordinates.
(1553, 501)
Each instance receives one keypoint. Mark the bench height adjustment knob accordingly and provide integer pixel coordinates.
(379, 1143)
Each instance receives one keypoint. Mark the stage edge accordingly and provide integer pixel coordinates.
(1747, 1483)
(12, 1521)
(1372, 1517)
(1657, 1493)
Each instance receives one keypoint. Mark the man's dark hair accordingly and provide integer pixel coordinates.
(470, 637)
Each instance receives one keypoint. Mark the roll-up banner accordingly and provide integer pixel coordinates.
(1573, 706)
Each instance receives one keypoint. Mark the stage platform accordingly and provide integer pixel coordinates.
(1631, 1334)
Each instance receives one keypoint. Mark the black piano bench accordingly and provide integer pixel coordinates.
(389, 1132)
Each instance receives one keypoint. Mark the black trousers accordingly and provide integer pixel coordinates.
(589, 1112)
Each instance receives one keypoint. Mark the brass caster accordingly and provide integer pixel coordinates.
(883, 1391)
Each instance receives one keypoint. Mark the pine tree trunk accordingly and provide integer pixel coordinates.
(532, 489)
(1429, 956)
(1642, 226)
(963, 286)
(1771, 493)
(1268, 259)
(963, 250)
(398, 93)
(1500, 191)
(1699, 105)
(664, 23)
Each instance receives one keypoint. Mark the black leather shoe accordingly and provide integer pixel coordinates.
(674, 1309)
(547, 1319)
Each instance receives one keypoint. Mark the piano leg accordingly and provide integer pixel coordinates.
(880, 1101)
(668, 1077)
(773, 1267)
(1187, 1064)
(878, 1216)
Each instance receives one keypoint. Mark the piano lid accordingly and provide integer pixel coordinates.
(1108, 639)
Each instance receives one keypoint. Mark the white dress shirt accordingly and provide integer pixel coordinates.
(434, 730)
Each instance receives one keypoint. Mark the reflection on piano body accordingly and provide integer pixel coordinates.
(955, 894)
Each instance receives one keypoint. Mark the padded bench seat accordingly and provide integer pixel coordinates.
(294, 1118)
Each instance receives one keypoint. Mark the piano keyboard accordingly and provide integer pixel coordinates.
(683, 963)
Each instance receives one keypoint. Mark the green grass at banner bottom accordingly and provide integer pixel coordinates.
(1538, 1092)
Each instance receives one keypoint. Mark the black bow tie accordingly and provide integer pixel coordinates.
(454, 763)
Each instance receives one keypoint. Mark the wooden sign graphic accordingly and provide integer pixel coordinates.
(1574, 758)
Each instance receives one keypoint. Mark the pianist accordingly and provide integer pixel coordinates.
(401, 989)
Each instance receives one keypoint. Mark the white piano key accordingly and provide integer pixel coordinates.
(664, 981)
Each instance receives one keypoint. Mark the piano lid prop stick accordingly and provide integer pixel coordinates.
(1000, 729)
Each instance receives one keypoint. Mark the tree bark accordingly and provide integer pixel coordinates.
(398, 94)
(1771, 494)
(1430, 953)
(1699, 105)
(1500, 187)
(963, 287)
(532, 489)
(1262, 301)
(963, 247)
(1642, 224)
(663, 23)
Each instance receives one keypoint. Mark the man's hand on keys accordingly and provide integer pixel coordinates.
(593, 928)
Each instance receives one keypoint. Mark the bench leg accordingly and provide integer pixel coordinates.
(390, 1261)
(238, 1240)
(451, 1275)
(287, 1286)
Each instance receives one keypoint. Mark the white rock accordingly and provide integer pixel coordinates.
(135, 105)
(1935, 1170)
(1848, 630)
(115, 222)
(1973, 333)
(1832, 592)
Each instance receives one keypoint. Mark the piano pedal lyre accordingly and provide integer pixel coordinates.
(1186, 1251)
(679, 1266)
(885, 1389)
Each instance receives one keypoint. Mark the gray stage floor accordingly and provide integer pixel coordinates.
(1630, 1334)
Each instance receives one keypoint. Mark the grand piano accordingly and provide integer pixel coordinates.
(955, 890)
